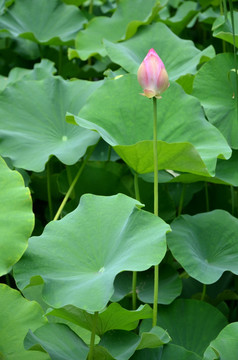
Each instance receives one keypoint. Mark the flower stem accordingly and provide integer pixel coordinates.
(156, 195)
(134, 275)
(156, 209)
(92, 340)
(134, 297)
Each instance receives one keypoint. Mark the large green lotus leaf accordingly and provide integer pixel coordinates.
(16, 217)
(205, 244)
(125, 122)
(180, 56)
(214, 86)
(57, 24)
(222, 28)
(192, 324)
(17, 316)
(122, 25)
(59, 341)
(35, 128)
(113, 317)
(225, 346)
(79, 256)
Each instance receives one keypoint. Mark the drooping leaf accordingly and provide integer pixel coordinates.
(59, 341)
(180, 56)
(113, 317)
(35, 128)
(153, 338)
(225, 346)
(222, 28)
(122, 25)
(192, 324)
(125, 122)
(16, 217)
(57, 24)
(120, 344)
(184, 14)
(170, 285)
(79, 256)
(205, 244)
(17, 316)
(214, 86)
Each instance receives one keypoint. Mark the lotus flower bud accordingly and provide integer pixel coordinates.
(152, 75)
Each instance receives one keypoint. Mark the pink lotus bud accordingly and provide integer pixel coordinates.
(152, 75)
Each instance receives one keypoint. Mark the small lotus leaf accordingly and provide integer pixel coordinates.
(113, 317)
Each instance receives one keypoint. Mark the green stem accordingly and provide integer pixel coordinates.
(232, 200)
(91, 7)
(180, 208)
(49, 190)
(156, 195)
(136, 187)
(73, 184)
(134, 296)
(60, 60)
(134, 275)
(156, 209)
(204, 288)
(93, 334)
(69, 177)
(207, 197)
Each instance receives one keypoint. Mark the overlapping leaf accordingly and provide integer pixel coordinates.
(124, 119)
(16, 217)
(79, 256)
(122, 25)
(215, 87)
(180, 56)
(225, 346)
(222, 28)
(47, 22)
(59, 341)
(197, 323)
(35, 128)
